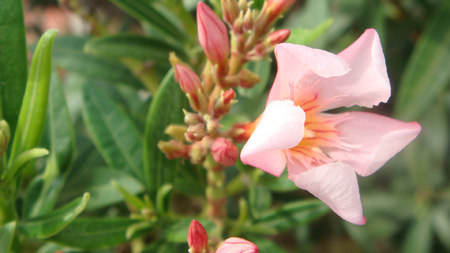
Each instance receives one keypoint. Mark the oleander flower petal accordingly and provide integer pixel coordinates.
(336, 185)
(277, 130)
(375, 140)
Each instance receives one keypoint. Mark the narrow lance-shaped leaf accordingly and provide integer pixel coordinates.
(132, 46)
(68, 54)
(13, 61)
(290, 215)
(20, 161)
(113, 133)
(43, 190)
(165, 109)
(144, 11)
(34, 107)
(426, 75)
(50, 224)
(6, 236)
(94, 233)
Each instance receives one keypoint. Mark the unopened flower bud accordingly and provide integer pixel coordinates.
(213, 35)
(243, 5)
(230, 10)
(176, 131)
(248, 79)
(223, 102)
(241, 132)
(278, 37)
(188, 80)
(195, 132)
(197, 238)
(277, 7)
(192, 118)
(248, 20)
(224, 151)
(173, 149)
(237, 245)
(5, 136)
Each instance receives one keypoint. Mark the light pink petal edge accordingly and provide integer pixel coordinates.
(367, 84)
(337, 186)
(375, 138)
(281, 127)
(296, 61)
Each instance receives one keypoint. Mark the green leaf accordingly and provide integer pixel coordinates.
(68, 54)
(264, 244)
(43, 190)
(132, 46)
(261, 68)
(418, 238)
(441, 226)
(13, 61)
(303, 36)
(47, 225)
(426, 76)
(94, 233)
(144, 11)
(34, 107)
(113, 133)
(165, 109)
(62, 134)
(292, 214)
(162, 246)
(178, 231)
(98, 183)
(18, 163)
(278, 184)
(259, 199)
(6, 235)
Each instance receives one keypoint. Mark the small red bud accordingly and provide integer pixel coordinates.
(197, 238)
(278, 37)
(224, 151)
(188, 80)
(278, 7)
(213, 35)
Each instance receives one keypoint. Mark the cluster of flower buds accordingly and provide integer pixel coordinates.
(198, 242)
(212, 95)
(252, 35)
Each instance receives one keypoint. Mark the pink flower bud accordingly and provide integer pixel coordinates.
(223, 102)
(188, 80)
(224, 151)
(278, 37)
(197, 238)
(278, 7)
(230, 9)
(237, 245)
(213, 35)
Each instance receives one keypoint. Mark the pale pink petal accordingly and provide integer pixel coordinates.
(375, 139)
(367, 84)
(237, 245)
(281, 127)
(301, 65)
(336, 185)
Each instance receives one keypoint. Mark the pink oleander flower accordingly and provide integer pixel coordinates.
(197, 238)
(212, 34)
(237, 245)
(325, 151)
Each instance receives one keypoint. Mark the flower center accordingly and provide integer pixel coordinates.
(320, 130)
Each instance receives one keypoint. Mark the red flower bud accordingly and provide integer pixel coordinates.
(278, 37)
(278, 7)
(197, 238)
(237, 245)
(188, 80)
(224, 151)
(213, 35)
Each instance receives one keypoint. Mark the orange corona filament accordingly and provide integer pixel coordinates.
(320, 130)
